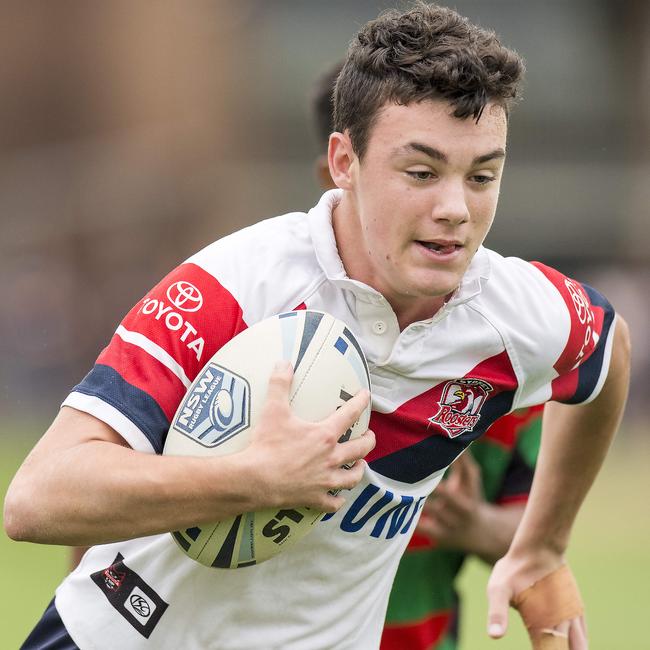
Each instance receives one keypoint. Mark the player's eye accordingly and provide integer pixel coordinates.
(482, 179)
(420, 174)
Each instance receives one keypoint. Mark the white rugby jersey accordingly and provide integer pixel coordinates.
(514, 334)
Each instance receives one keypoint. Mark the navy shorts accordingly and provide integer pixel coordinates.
(49, 633)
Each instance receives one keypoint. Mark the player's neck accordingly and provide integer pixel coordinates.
(415, 309)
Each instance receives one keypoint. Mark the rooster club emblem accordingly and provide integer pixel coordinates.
(460, 405)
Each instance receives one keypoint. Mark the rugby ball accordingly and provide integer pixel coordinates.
(223, 403)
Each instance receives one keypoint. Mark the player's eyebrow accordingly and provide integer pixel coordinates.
(436, 154)
(486, 157)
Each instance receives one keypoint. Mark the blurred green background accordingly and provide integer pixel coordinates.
(609, 555)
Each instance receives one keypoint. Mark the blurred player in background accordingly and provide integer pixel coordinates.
(475, 510)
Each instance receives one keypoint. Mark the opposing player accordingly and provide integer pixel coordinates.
(456, 336)
(475, 512)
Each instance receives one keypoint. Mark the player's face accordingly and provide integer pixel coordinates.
(422, 200)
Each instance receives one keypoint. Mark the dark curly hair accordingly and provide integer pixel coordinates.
(428, 52)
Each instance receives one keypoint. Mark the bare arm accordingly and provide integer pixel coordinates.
(457, 515)
(81, 485)
(575, 440)
(495, 528)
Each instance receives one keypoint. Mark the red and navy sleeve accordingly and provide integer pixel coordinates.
(157, 350)
(583, 364)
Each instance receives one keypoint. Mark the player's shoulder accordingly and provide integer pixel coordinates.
(265, 243)
(530, 293)
(542, 314)
(515, 283)
(268, 267)
(508, 273)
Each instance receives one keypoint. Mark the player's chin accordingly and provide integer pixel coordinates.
(438, 284)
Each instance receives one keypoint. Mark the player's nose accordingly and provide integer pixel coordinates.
(451, 206)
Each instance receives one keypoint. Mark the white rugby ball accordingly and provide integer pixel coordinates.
(224, 402)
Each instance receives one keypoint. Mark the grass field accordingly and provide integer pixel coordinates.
(610, 554)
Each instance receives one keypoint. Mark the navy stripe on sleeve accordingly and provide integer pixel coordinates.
(108, 385)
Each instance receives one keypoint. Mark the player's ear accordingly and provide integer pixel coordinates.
(341, 159)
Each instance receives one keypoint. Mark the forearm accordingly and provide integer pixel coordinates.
(107, 492)
(575, 440)
(81, 485)
(491, 535)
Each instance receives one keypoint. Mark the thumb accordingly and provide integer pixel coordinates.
(469, 471)
(498, 606)
(464, 472)
(455, 474)
(470, 466)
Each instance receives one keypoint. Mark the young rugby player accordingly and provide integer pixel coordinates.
(456, 337)
(476, 512)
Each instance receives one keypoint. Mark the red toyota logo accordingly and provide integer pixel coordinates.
(580, 302)
(185, 296)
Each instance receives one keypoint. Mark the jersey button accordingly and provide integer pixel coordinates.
(379, 327)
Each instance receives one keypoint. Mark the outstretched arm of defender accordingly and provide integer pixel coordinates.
(82, 485)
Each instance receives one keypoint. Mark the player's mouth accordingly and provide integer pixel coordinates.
(440, 248)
